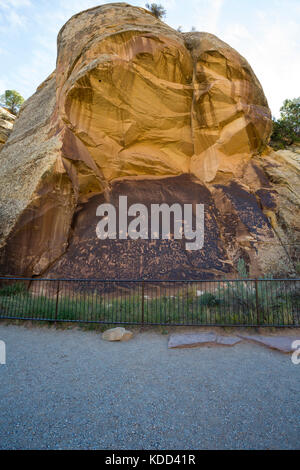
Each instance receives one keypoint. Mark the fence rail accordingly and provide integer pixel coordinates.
(238, 302)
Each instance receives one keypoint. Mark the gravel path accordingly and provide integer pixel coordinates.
(64, 389)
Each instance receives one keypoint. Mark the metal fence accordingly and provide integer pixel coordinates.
(239, 302)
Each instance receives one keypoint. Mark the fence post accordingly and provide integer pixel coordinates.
(257, 304)
(143, 302)
(56, 305)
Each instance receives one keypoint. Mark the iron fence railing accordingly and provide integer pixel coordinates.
(239, 302)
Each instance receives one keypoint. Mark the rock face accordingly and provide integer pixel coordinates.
(6, 124)
(136, 108)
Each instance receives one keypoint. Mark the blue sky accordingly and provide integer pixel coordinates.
(266, 32)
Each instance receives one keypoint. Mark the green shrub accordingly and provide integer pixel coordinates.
(157, 10)
(13, 289)
(242, 268)
(286, 129)
(227, 303)
(208, 299)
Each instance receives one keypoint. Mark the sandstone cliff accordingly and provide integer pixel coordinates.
(137, 108)
(6, 124)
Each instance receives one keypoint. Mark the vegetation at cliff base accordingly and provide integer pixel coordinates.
(286, 129)
(227, 302)
(11, 100)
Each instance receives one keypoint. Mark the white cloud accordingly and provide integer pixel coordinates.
(27, 76)
(168, 4)
(207, 14)
(10, 18)
(2, 86)
(273, 52)
(8, 4)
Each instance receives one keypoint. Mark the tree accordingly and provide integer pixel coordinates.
(12, 100)
(158, 10)
(290, 113)
(286, 129)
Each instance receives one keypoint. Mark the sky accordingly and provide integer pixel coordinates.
(265, 32)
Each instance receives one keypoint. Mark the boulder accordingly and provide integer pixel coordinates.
(136, 108)
(117, 334)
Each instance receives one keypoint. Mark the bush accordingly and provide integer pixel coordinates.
(286, 129)
(242, 268)
(208, 299)
(157, 10)
(13, 289)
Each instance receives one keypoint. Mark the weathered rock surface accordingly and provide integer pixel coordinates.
(281, 343)
(117, 334)
(194, 340)
(282, 168)
(6, 124)
(136, 108)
